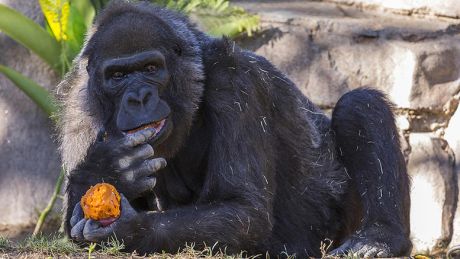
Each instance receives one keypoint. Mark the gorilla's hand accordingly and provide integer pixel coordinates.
(88, 230)
(126, 163)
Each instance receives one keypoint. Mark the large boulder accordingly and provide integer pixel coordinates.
(29, 162)
(453, 137)
(441, 8)
(328, 49)
(434, 192)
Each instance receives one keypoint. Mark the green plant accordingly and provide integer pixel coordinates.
(66, 22)
(4, 243)
(217, 17)
(91, 248)
(55, 244)
(112, 247)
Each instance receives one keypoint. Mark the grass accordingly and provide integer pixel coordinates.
(112, 247)
(49, 245)
(4, 243)
(57, 246)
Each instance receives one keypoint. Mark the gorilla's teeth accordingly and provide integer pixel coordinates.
(158, 125)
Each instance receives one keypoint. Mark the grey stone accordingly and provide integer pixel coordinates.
(29, 162)
(453, 137)
(444, 8)
(434, 192)
(328, 49)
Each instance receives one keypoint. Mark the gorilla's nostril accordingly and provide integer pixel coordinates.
(146, 97)
(139, 99)
(133, 102)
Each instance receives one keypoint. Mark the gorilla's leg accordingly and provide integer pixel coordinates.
(368, 146)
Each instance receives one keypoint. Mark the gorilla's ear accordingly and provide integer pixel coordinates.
(77, 124)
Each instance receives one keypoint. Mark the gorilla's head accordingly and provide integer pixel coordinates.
(144, 68)
(140, 67)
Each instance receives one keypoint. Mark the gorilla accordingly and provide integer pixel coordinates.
(210, 144)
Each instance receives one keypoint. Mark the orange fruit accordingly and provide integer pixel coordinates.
(101, 201)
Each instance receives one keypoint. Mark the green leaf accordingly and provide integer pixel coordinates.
(66, 22)
(31, 35)
(75, 31)
(219, 18)
(85, 9)
(36, 92)
(56, 15)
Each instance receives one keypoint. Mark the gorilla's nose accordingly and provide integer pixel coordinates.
(141, 99)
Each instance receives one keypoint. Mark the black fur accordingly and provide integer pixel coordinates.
(251, 163)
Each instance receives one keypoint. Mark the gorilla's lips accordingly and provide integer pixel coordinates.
(157, 125)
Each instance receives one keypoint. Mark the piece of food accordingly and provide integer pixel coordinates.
(100, 202)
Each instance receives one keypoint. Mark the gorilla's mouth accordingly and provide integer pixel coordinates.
(157, 125)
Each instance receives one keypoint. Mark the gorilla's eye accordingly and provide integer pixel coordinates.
(118, 75)
(151, 68)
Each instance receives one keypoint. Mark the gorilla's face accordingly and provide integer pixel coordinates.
(135, 85)
(141, 77)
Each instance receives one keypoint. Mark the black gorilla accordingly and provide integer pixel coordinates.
(241, 158)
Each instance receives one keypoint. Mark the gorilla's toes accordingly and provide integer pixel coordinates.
(364, 249)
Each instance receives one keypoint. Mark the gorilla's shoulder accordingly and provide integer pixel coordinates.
(235, 77)
(225, 51)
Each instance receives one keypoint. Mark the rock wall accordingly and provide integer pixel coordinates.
(328, 49)
(440, 8)
(29, 163)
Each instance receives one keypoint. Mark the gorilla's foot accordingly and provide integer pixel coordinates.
(375, 242)
(362, 248)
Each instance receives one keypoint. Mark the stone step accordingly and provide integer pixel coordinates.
(328, 49)
(443, 8)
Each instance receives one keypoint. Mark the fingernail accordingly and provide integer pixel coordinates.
(158, 165)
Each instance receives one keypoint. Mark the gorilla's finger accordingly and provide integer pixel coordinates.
(127, 211)
(146, 184)
(154, 165)
(371, 253)
(341, 250)
(139, 137)
(77, 231)
(146, 169)
(77, 215)
(94, 232)
(337, 252)
(358, 248)
(142, 152)
(383, 254)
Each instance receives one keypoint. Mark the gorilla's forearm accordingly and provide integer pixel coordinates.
(233, 226)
